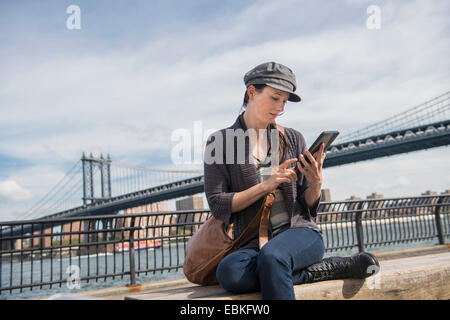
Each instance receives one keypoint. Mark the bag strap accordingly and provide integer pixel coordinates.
(264, 222)
(261, 219)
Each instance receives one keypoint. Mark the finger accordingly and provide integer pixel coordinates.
(302, 170)
(304, 162)
(292, 173)
(288, 173)
(285, 164)
(321, 151)
(323, 159)
(283, 179)
(311, 158)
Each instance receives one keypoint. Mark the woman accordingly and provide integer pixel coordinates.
(236, 190)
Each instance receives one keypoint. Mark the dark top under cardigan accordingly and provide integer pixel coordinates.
(223, 180)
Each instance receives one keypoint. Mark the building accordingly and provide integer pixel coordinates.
(374, 205)
(151, 225)
(190, 203)
(325, 195)
(354, 205)
(375, 195)
(188, 220)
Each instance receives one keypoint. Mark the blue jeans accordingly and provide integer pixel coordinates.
(276, 268)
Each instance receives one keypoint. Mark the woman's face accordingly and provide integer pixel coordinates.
(269, 103)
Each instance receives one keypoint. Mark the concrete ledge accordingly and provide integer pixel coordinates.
(415, 273)
(423, 277)
(119, 293)
(421, 284)
(411, 252)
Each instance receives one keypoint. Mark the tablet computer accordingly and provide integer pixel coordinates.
(326, 137)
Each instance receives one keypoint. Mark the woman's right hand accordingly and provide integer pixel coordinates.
(280, 174)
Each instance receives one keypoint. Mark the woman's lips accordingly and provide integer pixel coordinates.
(273, 115)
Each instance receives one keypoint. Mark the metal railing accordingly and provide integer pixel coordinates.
(49, 253)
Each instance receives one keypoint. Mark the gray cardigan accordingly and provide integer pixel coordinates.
(223, 180)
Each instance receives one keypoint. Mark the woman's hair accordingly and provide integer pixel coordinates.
(283, 144)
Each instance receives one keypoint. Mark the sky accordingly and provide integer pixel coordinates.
(135, 72)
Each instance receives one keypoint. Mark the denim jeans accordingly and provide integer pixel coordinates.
(274, 269)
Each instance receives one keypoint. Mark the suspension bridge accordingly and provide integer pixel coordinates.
(99, 186)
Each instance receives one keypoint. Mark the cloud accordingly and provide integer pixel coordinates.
(348, 70)
(13, 192)
(408, 174)
(64, 94)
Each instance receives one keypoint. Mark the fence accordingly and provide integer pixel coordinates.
(49, 253)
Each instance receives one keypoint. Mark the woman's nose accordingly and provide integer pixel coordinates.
(280, 107)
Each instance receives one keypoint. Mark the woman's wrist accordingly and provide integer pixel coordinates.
(265, 187)
(243, 199)
(312, 194)
(316, 187)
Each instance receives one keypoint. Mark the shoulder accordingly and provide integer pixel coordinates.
(223, 134)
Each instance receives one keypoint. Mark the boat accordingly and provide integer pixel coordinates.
(138, 245)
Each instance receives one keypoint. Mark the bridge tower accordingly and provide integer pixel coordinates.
(90, 165)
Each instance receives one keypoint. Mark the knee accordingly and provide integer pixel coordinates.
(230, 276)
(271, 258)
(320, 249)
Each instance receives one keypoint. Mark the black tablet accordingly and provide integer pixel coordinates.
(326, 137)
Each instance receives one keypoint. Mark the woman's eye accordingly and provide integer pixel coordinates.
(276, 99)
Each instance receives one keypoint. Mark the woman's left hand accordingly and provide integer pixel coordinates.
(313, 171)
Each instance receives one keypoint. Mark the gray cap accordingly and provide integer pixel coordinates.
(274, 75)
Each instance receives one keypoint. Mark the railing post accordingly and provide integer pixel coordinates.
(131, 251)
(437, 216)
(359, 229)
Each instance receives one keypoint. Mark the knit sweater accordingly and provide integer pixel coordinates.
(278, 213)
(233, 170)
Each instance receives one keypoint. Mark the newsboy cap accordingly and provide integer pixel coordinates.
(274, 75)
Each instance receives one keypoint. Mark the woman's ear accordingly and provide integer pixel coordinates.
(251, 92)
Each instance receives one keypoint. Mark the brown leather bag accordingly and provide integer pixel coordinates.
(211, 243)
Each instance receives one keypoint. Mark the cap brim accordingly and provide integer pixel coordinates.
(292, 97)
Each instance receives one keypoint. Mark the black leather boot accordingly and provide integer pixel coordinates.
(360, 265)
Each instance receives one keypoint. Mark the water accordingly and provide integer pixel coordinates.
(380, 234)
(173, 255)
(90, 265)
